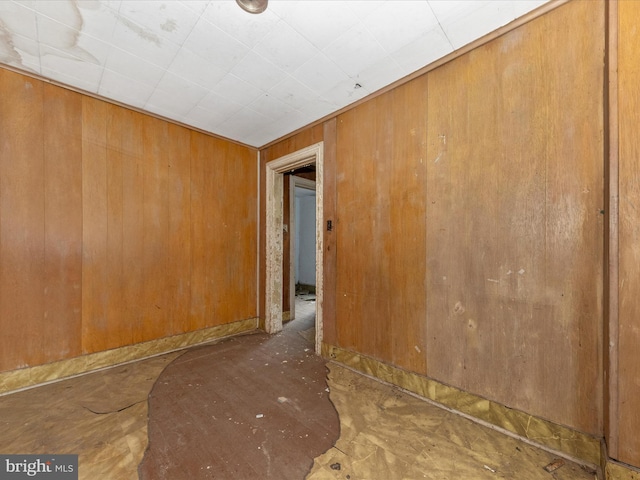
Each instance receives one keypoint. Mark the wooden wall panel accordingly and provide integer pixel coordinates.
(514, 204)
(40, 222)
(22, 221)
(235, 224)
(179, 244)
(224, 231)
(117, 317)
(127, 134)
(330, 251)
(155, 185)
(628, 404)
(201, 229)
(381, 227)
(63, 223)
(95, 300)
(98, 210)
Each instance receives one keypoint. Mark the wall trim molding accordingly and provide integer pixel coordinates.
(561, 440)
(24, 378)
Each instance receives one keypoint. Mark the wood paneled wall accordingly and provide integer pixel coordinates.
(40, 222)
(381, 227)
(115, 227)
(515, 222)
(627, 420)
(468, 213)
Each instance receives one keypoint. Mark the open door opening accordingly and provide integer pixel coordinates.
(275, 171)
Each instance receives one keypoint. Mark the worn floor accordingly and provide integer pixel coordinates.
(252, 406)
(384, 433)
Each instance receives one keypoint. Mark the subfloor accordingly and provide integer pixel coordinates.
(384, 433)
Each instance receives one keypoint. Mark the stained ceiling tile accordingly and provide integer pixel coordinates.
(252, 78)
(171, 20)
(142, 42)
(17, 19)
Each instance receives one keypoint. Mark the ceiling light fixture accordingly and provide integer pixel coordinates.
(253, 6)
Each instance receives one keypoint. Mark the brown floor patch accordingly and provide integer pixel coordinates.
(253, 406)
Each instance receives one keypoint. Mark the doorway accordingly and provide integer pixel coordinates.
(302, 228)
(275, 171)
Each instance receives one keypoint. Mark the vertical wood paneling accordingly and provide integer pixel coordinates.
(380, 232)
(223, 231)
(131, 148)
(117, 317)
(514, 206)
(234, 261)
(155, 228)
(628, 400)
(63, 223)
(201, 229)
(22, 221)
(95, 299)
(114, 228)
(408, 265)
(179, 261)
(330, 251)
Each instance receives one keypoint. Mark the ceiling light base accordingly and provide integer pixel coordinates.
(253, 6)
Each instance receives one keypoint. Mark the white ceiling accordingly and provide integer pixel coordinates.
(250, 78)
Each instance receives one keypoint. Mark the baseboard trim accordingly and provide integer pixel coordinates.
(24, 378)
(614, 470)
(551, 436)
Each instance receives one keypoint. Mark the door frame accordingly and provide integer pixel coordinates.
(275, 171)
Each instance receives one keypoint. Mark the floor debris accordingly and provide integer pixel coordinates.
(555, 465)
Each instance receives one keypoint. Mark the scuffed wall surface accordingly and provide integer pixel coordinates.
(470, 226)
